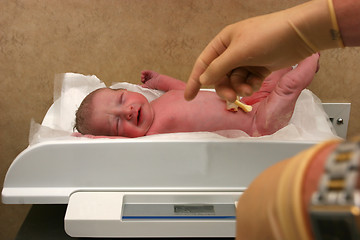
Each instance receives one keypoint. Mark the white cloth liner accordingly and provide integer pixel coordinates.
(309, 121)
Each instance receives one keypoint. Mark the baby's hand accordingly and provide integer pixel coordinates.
(150, 79)
(148, 75)
(154, 80)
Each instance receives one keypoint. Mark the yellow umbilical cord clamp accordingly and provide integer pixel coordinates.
(243, 106)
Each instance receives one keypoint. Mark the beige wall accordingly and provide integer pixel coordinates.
(115, 40)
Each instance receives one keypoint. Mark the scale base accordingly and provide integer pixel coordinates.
(151, 214)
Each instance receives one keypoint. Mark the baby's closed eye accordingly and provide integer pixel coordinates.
(121, 98)
(117, 128)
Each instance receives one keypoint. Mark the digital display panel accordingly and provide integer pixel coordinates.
(194, 209)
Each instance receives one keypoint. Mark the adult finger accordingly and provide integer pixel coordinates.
(257, 76)
(213, 50)
(191, 89)
(230, 59)
(225, 90)
(237, 79)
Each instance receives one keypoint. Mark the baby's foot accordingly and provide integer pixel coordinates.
(148, 75)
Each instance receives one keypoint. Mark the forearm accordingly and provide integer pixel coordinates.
(154, 80)
(277, 201)
(325, 24)
(312, 177)
(167, 83)
(315, 24)
(347, 15)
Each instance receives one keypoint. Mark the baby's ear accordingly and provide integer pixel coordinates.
(77, 134)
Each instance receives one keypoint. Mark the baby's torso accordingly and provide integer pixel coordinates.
(207, 112)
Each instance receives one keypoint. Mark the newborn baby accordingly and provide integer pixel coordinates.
(109, 112)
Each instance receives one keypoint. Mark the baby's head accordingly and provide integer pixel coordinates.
(114, 112)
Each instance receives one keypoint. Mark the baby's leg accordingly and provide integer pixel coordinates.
(266, 88)
(272, 80)
(279, 96)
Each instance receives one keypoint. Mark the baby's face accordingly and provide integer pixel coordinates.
(120, 113)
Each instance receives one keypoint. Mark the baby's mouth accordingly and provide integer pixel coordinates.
(138, 117)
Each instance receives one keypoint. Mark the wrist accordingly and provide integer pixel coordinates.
(334, 209)
(347, 12)
(312, 176)
(316, 25)
(289, 207)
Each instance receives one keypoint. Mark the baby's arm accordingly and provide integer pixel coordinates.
(154, 80)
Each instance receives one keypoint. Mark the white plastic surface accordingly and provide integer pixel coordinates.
(339, 114)
(50, 172)
(94, 214)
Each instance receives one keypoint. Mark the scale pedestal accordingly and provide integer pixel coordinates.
(151, 214)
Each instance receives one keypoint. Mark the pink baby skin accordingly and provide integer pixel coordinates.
(129, 114)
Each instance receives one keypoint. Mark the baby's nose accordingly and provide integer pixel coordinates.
(128, 112)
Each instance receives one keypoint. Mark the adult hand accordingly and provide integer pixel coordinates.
(244, 53)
